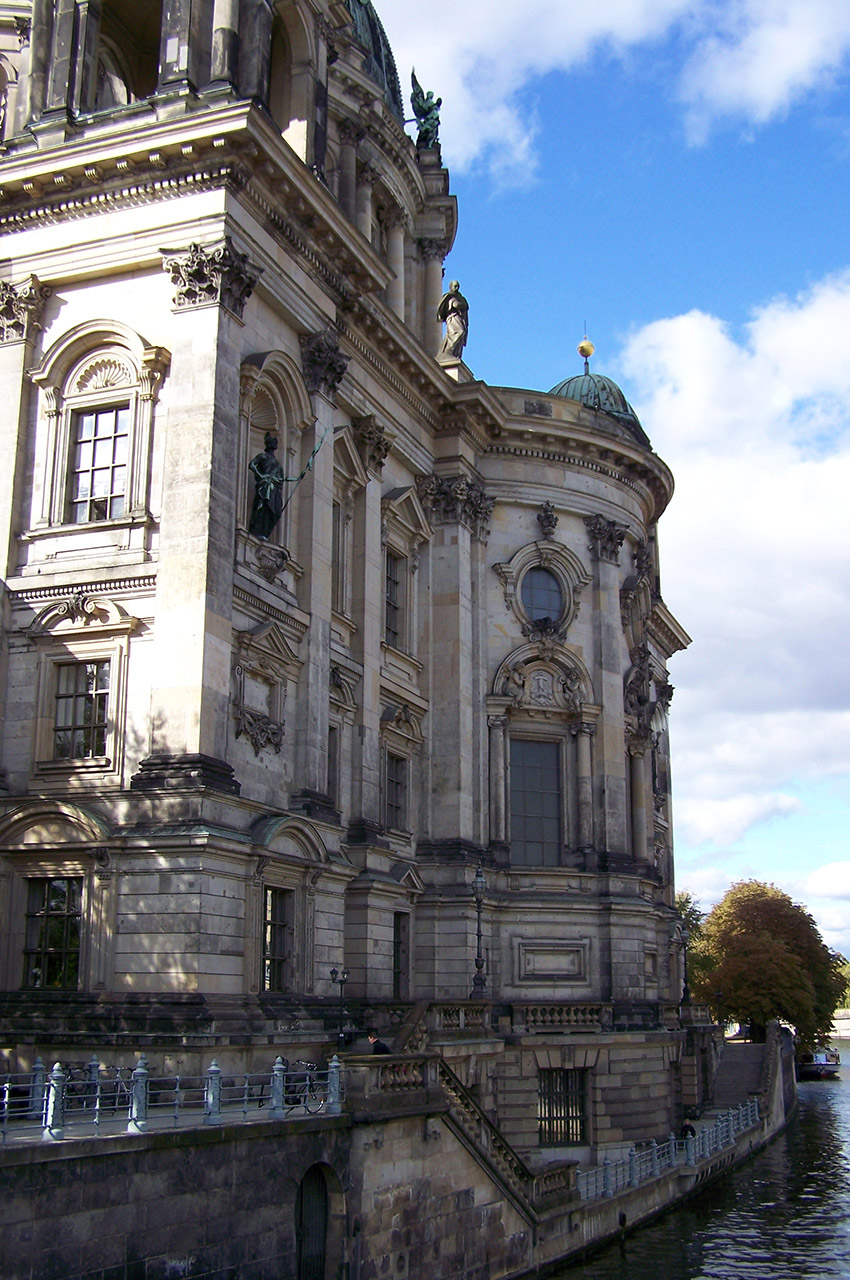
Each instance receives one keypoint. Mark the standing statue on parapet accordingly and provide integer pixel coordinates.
(427, 113)
(268, 496)
(454, 310)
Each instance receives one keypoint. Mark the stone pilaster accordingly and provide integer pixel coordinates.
(367, 176)
(433, 252)
(349, 136)
(605, 540)
(255, 34)
(639, 798)
(395, 223)
(583, 733)
(324, 367)
(498, 733)
(224, 69)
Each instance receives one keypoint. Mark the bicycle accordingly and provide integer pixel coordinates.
(301, 1087)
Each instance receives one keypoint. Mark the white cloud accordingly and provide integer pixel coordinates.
(755, 553)
(831, 881)
(750, 59)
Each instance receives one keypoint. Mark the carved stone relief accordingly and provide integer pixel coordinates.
(218, 274)
(457, 500)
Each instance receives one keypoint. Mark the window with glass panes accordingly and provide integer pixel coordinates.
(541, 594)
(393, 602)
(535, 803)
(81, 717)
(395, 793)
(277, 935)
(98, 474)
(53, 925)
(561, 1107)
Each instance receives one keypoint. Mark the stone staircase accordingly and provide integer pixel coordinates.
(739, 1075)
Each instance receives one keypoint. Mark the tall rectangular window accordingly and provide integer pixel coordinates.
(561, 1107)
(52, 942)
(81, 718)
(395, 792)
(394, 600)
(98, 475)
(337, 560)
(535, 803)
(277, 939)
(333, 763)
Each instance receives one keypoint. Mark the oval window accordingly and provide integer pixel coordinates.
(542, 596)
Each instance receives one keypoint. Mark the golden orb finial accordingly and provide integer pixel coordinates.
(586, 349)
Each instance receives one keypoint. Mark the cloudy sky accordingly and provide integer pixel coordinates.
(674, 175)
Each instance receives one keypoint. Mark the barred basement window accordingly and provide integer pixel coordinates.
(277, 939)
(561, 1107)
(394, 601)
(81, 717)
(52, 944)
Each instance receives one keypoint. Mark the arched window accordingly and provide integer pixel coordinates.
(311, 1225)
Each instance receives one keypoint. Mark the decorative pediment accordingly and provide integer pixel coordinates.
(342, 684)
(349, 471)
(81, 612)
(290, 837)
(544, 683)
(265, 647)
(403, 722)
(44, 823)
(406, 874)
(403, 514)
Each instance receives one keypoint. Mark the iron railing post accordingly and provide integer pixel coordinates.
(212, 1094)
(138, 1118)
(54, 1111)
(334, 1097)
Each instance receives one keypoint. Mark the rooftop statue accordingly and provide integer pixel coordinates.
(454, 310)
(427, 113)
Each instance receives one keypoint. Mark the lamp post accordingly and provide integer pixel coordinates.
(479, 982)
(686, 991)
(340, 978)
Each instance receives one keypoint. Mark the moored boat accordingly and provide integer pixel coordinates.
(822, 1063)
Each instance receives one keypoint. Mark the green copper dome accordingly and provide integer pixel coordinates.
(595, 391)
(380, 63)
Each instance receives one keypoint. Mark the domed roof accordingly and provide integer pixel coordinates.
(380, 63)
(595, 391)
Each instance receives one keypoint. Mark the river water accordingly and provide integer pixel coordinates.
(784, 1215)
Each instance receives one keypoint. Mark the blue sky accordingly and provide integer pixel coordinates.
(676, 174)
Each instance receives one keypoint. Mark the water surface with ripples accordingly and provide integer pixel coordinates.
(784, 1215)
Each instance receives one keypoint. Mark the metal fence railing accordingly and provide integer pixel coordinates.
(91, 1100)
(613, 1176)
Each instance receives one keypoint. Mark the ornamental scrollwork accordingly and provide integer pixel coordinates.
(606, 537)
(20, 308)
(324, 364)
(372, 442)
(259, 728)
(211, 275)
(457, 500)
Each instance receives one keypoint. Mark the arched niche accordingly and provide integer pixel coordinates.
(320, 1222)
(292, 76)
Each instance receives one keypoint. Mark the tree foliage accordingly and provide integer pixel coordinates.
(760, 956)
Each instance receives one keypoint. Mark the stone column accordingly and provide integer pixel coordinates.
(190, 700)
(394, 223)
(367, 595)
(498, 727)
(41, 33)
(459, 510)
(349, 135)
(366, 179)
(432, 330)
(584, 784)
(20, 312)
(605, 540)
(225, 42)
(175, 50)
(637, 758)
(324, 367)
(255, 38)
(61, 71)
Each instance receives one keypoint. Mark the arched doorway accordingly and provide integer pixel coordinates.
(311, 1224)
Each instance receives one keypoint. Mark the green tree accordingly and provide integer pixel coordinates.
(693, 918)
(761, 957)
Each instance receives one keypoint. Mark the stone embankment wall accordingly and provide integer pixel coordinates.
(411, 1195)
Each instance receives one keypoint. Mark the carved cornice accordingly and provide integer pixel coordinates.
(215, 275)
(21, 306)
(372, 442)
(457, 500)
(606, 537)
(323, 362)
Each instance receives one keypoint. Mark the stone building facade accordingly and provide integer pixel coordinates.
(237, 765)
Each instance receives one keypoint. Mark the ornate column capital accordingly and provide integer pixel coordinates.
(21, 306)
(206, 275)
(497, 722)
(433, 250)
(457, 500)
(584, 728)
(350, 133)
(606, 537)
(372, 442)
(367, 175)
(323, 362)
